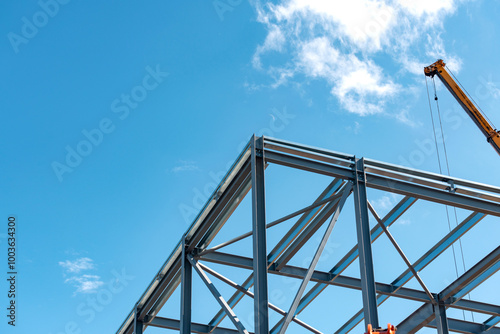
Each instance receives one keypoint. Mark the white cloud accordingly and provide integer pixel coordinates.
(359, 85)
(85, 283)
(429, 10)
(184, 166)
(78, 265)
(342, 43)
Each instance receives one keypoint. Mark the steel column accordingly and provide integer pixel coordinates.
(364, 246)
(138, 324)
(441, 320)
(261, 311)
(186, 286)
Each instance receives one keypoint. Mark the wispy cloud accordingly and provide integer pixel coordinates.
(85, 283)
(77, 265)
(356, 128)
(345, 43)
(184, 166)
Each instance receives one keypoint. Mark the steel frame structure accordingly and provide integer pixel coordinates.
(350, 176)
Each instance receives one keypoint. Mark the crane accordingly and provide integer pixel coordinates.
(492, 134)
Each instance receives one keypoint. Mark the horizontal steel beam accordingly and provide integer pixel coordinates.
(168, 323)
(466, 327)
(378, 167)
(349, 282)
(389, 184)
(433, 195)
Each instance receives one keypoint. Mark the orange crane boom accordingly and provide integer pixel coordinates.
(492, 134)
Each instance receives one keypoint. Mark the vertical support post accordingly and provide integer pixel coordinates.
(364, 246)
(138, 324)
(186, 285)
(441, 319)
(261, 311)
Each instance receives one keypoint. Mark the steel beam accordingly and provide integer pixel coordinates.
(481, 271)
(468, 281)
(261, 311)
(317, 276)
(250, 294)
(291, 312)
(466, 327)
(319, 214)
(401, 253)
(390, 184)
(349, 282)
(306, 234)
(222, 302)
(492, 321)
(174, 324)
(378, 167)
(433, 195)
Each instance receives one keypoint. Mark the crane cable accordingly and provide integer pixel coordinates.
(448, 173)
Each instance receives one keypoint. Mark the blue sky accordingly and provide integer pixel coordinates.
(159, 97)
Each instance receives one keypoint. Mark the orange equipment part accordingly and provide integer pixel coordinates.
(390, 330)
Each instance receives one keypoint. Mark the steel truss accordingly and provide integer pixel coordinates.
(350, 177)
